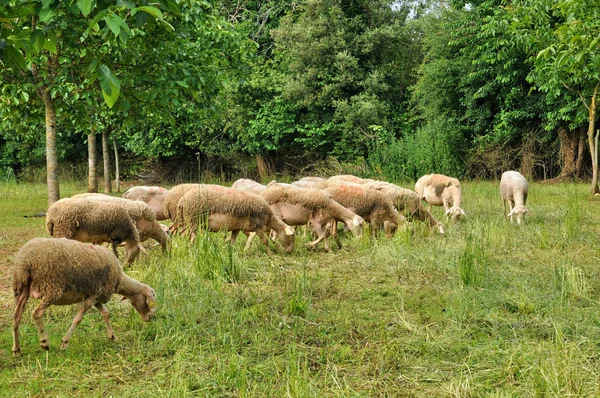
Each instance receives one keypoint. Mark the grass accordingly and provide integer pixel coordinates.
(489, 309)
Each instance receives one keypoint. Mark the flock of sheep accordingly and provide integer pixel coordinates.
(73, 268)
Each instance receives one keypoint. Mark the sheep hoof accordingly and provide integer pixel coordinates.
(113, 338)
(45, 347)
(64, 345)
(17, 353)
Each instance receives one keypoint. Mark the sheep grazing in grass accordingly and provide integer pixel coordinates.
(440, 190)
(350, 178)
(300, 206)
(145, 222)
(152, 196)
(246, 185)
(92, 221)
(172, 199)
(64, 272)
(513, 189)
(308, 182)
(373, 206)
(226, 209)
(406, 202)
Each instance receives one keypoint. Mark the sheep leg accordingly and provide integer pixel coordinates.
(251, 236)
(233, 237)
(264, 239)
(132, 250)
(333, 233)
(511, 205)
(106, 317)
(21, 301)
(84, 307)
(321, 236)
(37, 315)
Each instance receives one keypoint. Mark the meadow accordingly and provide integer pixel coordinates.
(489, 309)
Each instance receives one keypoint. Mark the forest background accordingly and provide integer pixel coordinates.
(241, 88)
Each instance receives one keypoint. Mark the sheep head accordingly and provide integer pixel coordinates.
(519, 211)
(144, 302)
(455, 213)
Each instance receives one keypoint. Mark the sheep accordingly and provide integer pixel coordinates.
(440, 190)
(350, 178)
(221, 208)
(92, 221)
(513, 189)
(406, 202)
(300, 206)
(308, 182)
(153, 196)
(63, 272)
(144, 218)
(246, 185)
(376, 208)
(172, 199)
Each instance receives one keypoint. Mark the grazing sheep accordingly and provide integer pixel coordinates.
(92, 221)
(64, 272)
(513, 189)
(440, 190)
(350, 178)
(406, 202)
(221, 208)
(152, 196)
(300, 206)
(376, 208)
(145, 222)
(308, 182)
(172, 199)
(246, 185)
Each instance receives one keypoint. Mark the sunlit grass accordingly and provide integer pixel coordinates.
(489, 309)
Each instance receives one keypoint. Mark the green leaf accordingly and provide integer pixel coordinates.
(126, 3)
(20, 36)
(85, 6)
(95, 21)
(114, 23)
(50, 43)
(155, 12)
(111, 86)
(46, 14)
(182, 83)
(37, 40)
(16, 57)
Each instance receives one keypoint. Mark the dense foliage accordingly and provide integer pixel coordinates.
(403, 88)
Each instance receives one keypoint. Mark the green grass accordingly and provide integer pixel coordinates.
(489, 309)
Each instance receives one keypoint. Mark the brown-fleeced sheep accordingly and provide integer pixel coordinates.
(152, 196)
(92, 221)
(63, 272)
(299, 206)
(406, 202)
(514, 190)
(226, 209)
(145, 222)
(172, 199)
(373, 206)
(246, 185)
(441, 190)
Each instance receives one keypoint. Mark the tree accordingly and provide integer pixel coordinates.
(45, 44)
(564, 40)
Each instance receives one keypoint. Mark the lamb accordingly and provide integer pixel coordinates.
(92, 221)
(64, 272)
(246, 185)
(221, 208)
(406, 202)
(152, 196)
(513, 189)
(300, 206)
(440, 190)
(373, 206)
(144, 218)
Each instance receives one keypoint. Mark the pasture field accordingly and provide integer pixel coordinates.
(489, 309)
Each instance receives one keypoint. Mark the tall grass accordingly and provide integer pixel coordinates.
(489, 309)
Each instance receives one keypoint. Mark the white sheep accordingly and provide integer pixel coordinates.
(300, 206)
(226, 209)
(246, 185)
(152, 196)
(513, 190)
(308, 182)
(440, 190)
(63, 272)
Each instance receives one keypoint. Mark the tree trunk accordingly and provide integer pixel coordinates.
(117, 177)
(264, 171)
(592, 142)
(51, 158)
(580, 150)
(92, 162)
(106, 161)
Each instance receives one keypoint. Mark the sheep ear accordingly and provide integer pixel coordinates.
(356, 221)
(511, 213)
(289, 231)
(447, 211)
(151, 303)
(463, 212)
